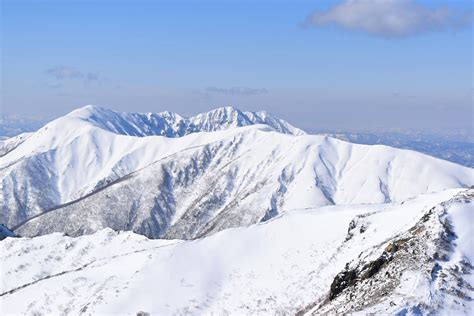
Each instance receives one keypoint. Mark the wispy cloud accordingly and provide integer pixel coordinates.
(390, 18)
(237, 91)
(61, 73)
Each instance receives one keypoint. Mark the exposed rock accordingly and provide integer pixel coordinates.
(424, 250)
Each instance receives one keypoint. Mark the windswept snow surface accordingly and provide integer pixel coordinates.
(96, 168)
(284, 265)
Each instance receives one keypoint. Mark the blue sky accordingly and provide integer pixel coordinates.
(317, 64)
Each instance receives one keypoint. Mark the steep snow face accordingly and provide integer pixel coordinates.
(286, 265)
(191, 186)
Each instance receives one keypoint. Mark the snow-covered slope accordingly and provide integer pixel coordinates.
(412, 257)
(10, 143)
(82, 150)
(96, 168)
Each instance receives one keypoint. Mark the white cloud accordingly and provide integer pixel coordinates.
(389, 18)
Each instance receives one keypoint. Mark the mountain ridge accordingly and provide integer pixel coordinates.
(171, 124)
(198, 183)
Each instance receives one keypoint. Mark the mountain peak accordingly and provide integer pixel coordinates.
(224, 112)
(87, 110)
(221, 118)
(228, 108)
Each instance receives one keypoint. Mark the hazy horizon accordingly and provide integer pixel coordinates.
(315, 64)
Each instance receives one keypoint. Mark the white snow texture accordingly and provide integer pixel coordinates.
(247, 214)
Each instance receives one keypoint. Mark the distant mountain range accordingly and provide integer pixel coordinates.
(11, 125)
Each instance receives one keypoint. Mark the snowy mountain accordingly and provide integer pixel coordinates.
(233, 200)
(392, 258)
(166, 176)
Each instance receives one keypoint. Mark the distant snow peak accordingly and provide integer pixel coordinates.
(171, 124)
